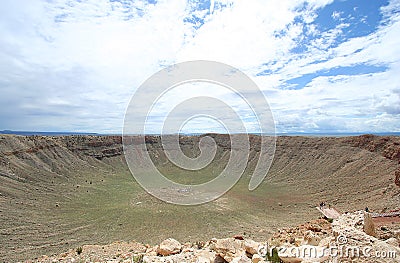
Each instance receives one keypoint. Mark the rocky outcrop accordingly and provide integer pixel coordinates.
(308, 233)
(96, 146)
(312, 244)
(387, 146)
(349, 236)
(349, 232)
(231, 250)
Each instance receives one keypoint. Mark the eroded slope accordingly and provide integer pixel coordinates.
(58, 192)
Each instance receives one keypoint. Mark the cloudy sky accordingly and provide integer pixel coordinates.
(323, 65)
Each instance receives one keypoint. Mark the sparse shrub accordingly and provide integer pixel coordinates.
(79, 250)
(274, 258)
(137, 259)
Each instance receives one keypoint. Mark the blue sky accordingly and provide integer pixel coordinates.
(324, 66)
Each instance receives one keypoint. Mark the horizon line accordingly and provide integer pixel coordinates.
(318, 133)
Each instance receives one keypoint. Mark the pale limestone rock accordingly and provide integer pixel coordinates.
(348, 225)
(393, 242)
(210, 255)
(241, 259)
(187, 247)
(305, 253)
(151, 251)
(251, 246)
(369, 226)
(202, 260)
(285, 255)
(311, 239)
(257, 258)
(290, 259)
(168, 247)
(326, 242)
(386, 247)
(228, 248)
(397, 234)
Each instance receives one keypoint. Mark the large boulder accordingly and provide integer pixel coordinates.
(168, 247)
(369, 226)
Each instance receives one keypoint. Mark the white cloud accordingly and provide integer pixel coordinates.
(74, 65)
(336, 15)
